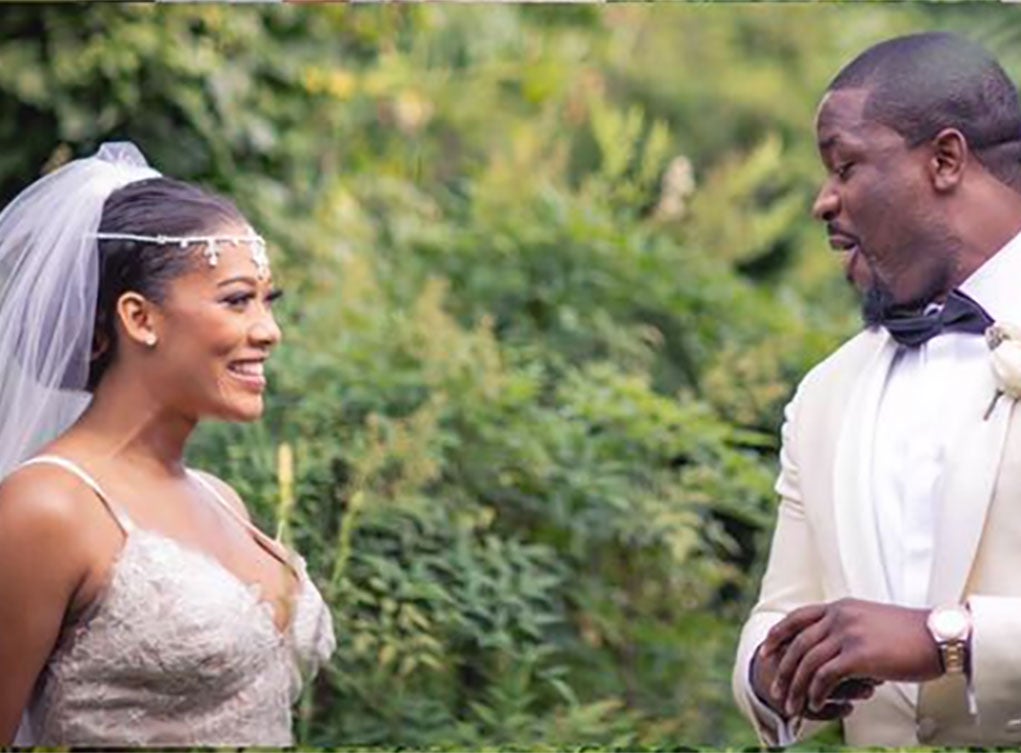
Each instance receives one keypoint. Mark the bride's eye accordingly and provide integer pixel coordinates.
(238, 300)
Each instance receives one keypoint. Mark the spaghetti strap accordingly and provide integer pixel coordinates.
(120, 516)
(272, 546)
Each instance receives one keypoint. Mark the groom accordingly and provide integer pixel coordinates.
(892, 598)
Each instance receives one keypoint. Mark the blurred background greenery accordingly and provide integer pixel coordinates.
(550, 276)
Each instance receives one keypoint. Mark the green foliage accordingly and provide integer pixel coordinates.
(551, 278)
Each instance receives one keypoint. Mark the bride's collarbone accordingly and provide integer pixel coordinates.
(196, 526)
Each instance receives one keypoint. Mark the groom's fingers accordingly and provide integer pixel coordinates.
(820, 653)
(785, 630)
(793, 654)
(829, 712)
(828, 678)
(854, 689)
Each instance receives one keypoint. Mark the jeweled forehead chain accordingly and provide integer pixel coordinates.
(211, 245)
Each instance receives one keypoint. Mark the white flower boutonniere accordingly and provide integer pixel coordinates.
(1004, 342)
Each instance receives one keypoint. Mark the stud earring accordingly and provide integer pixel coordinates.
(150, 340)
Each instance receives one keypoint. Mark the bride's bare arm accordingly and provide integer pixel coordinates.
(43, 560)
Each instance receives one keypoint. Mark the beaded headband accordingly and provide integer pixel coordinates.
(256, 245)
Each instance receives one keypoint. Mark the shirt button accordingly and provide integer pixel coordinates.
(926, 729)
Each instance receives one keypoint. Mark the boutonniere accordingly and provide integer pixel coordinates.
(1004, 341)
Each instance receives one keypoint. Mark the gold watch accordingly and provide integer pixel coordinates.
(951, 629)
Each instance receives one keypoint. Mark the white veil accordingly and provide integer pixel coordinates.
(49, 271)
(49, 274)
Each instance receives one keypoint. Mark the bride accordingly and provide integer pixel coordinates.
(138, 603)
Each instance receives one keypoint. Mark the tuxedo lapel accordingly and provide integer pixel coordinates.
(968, 489)
(854, 496)
(854, 512)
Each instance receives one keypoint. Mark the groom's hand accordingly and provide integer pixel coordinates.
(821, 646)
(838, 705)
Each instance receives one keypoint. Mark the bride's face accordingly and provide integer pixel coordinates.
(216, 331)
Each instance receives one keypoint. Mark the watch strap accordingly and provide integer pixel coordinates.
(954, 656)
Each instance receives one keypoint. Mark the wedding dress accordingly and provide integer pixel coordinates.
(177, 650)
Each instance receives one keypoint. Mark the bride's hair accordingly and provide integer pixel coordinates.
(152, 207)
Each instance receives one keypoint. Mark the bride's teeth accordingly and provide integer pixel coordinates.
(248, 369)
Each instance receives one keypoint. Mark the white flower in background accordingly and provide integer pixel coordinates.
(677, 185)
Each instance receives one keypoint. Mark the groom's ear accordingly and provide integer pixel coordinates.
(948, 159)
(138, 318)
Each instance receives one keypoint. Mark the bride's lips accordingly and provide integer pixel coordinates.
(250, 372)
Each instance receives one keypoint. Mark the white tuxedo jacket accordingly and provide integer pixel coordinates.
(825, 547)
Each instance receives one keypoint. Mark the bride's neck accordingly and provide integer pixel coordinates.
(126, 421)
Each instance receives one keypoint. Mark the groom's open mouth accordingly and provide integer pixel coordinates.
(842, 242)
(850, 250)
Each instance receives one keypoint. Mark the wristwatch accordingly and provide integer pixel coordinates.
(951, 628)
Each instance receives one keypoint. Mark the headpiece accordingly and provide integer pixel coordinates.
(256, 245)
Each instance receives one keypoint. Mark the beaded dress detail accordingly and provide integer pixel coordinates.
(177, 651)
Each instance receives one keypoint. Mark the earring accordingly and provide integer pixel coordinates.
(150, 340)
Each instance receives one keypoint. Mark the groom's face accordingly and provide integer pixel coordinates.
(878, 205)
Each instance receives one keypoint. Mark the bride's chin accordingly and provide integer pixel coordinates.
(248, 413)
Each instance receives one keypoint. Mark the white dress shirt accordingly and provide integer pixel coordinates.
(916, 419)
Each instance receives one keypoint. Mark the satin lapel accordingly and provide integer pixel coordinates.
(852, 494)
(968, 490)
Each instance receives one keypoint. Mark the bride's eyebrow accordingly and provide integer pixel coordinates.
(239, 278)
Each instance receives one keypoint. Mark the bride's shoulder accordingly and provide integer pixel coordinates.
(43, 513)
(43, 494)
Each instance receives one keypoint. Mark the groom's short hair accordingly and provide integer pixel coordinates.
(922, 83)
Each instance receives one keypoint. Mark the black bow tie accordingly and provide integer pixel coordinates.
(959, 314)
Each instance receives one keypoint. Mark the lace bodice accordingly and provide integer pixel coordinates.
(178, 651)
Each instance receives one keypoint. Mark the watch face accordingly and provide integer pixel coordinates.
(949, 623)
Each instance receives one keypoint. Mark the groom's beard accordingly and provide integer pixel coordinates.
(879, 306)
(876, 305)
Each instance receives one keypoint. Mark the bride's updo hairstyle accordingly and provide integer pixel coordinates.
(152, 207)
